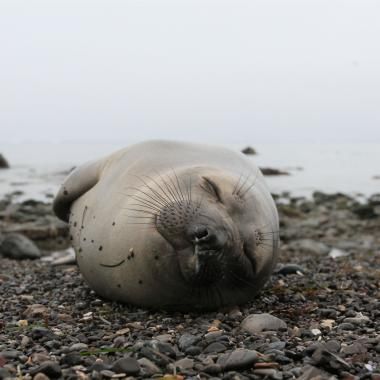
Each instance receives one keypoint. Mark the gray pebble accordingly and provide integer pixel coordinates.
(256, 323)
(148, 368)
(49, 368)
(237, 360)
(187, 340)
(78, 347)
(127, 365)
(214, 348)
(19, 247)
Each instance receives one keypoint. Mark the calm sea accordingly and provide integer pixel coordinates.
(38, 169)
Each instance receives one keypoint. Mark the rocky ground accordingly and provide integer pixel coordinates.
(318, 318)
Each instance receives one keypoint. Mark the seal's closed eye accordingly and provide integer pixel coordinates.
(212, 188)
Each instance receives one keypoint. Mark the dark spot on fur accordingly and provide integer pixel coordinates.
(82, 227)
(140, 282)
(156, 257)
(129, 257)
(132, 254)
(100, 248)
(84, 239)
(118, 285)
(113, 223)
(75, 224)
(80, 250)
(71, 237)
(65, 192)
(92, 241)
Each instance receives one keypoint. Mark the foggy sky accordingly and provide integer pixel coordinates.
(214, 71)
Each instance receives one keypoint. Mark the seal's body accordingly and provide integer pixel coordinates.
(171, 225)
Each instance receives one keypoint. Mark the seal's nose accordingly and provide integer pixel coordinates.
(206, 239)
(201, 233)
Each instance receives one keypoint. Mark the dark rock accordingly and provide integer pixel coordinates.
(187, 340)
(10, 354)
(256, 323)
(329, 361)
(18, 247)
(353, 349)
(237, 360)
(327, 313)
(193, 350)
(312, 373)
(249, 150)
(212, 369)
(365, 211)
(72, 358)
(148, 368)
(49, 368)
(272, 171)
(346, 326)
(215, 348)
(42, 332)
(3, 162)
(291, 269)
(127, 365)
(5, 374)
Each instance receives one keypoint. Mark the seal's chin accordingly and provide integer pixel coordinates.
(201, 267)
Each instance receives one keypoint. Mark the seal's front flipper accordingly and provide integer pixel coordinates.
(78, 182)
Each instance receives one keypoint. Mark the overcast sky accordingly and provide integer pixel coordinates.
(217, 71)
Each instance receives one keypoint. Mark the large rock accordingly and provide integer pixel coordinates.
(256, 323)
(249, 150)
(18, 247)
(3, 162)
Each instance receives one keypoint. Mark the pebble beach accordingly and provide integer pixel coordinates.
(318, 317)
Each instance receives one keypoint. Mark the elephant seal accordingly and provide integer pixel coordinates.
(171, 225)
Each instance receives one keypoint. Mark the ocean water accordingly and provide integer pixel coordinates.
(38, 169)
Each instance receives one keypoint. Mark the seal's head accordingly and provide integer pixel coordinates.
(222, 230)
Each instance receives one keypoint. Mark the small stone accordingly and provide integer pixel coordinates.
(268, 373)
(40, 376)
(182, 365)
(312, 373)
(18, 247)
(127, 365)
(215, 348)
(72, 359)
(256, 323)
(359, 319)
(35, 310)
(193, 350)
(249, 150)
(335, 253)
(49, 368)
(3, 162)
(5, 374)
(329, 361)
(291, 269)
(327, 323)
(353, 349)
(187, 340)
(346, 327)
(78, 347)
(107, 373)
(10, 354)
(316, 332)
(239, 359)
(148, 368)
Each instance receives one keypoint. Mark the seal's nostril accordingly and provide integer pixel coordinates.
(201, 233)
